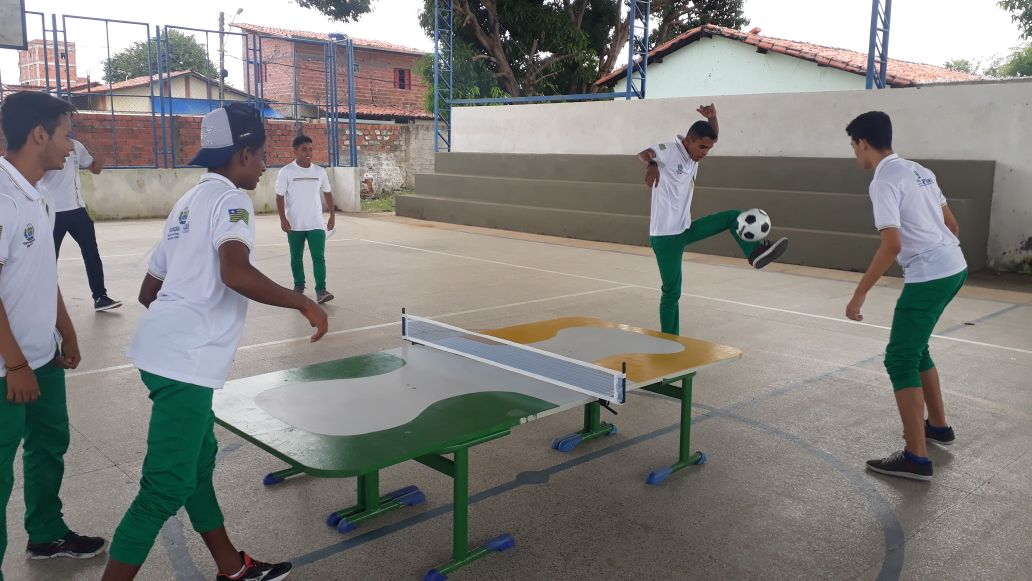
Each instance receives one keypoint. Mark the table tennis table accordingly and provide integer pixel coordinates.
(356, 416)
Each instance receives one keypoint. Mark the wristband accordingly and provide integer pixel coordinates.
(18, 367)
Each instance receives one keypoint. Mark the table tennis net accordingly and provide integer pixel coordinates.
(542, 365)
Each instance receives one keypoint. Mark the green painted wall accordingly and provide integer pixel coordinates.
(719, 66)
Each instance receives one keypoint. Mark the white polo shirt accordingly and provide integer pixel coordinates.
(672, 197)
(192, 331)
(63, 187)
(302, 189)
(905, 195)
(28, 280)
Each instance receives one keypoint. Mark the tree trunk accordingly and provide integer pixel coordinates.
(492, 43)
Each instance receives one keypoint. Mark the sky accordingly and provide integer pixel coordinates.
(927, 31)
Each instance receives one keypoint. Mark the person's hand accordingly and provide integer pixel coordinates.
(284, 225)
(854, 306)
(22, 386)
(708, 111)
(331, 223)
(652, 176)
(69, 357)
(316, 317)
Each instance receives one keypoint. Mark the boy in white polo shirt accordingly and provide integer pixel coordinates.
(918, 230)
(63, 190)
(671, 169)
(37, 339)
(196, 291)
(302, 190)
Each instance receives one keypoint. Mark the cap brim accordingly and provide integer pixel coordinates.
(214, 157)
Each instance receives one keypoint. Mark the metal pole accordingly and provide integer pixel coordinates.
(873, 43)
(885, 43)
(222, 57)
(57, 56)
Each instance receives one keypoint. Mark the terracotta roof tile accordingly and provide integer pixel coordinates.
(359, 42)
(899, 73)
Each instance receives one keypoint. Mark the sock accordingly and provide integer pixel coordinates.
(936, 428)
(915, 458)
(240, 573)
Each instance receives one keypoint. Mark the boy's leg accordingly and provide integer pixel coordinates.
(60, 229)
(12, 429)
(669, 251)
(317, 246)
(179, 425)
(84, 233)
(714, 224)
(296, 241)
(933, 396)
(46, 441)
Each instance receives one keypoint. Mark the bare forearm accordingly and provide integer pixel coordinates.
(64, 322)
(328, 200)
(9, 347)
(251, 283)
(281, 208)
(881, 262)
(716, 126)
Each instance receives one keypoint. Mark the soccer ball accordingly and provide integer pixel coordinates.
(753, 225)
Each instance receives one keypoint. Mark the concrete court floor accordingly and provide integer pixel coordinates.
(787, 428)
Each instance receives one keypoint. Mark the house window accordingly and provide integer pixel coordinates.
(402, 79)
(357, 67)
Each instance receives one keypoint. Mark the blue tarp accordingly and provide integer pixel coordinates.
(182, 106)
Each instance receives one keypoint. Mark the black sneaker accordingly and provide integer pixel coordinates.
(898, 465)
(767, 252)
(105, 303)
(323, 296)
(943, 436)
(71, 545)
(258, 571)
(299, 289)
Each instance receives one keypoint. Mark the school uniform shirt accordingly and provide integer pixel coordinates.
(672, 197)
(302, 190)
(192, 330)
(28, 280)
(62, 188)
(905, 195)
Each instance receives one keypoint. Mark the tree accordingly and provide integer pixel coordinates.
(1018, 64)
(961, 65)
(1021, 13)
(184, 53)
(678, 17)
(471, 79)
(342, 10)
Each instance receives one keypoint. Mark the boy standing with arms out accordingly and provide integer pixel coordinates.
(917, 229)
(671, 169)
(302, 190)
(196, 291)
(37, 339)
(63, 190)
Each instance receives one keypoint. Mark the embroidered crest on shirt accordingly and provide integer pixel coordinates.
(30, 236)
(239, 215)
(184, 219)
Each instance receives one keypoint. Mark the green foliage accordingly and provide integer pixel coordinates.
(1021, 13)
(184, 53)
(340, 10)
(961, 65)
(1018, 64)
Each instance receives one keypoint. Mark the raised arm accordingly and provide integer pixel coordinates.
(710, 113)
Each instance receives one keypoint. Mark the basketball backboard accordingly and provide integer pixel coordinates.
(12, 24)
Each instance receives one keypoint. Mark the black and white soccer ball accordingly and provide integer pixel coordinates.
(753, 225)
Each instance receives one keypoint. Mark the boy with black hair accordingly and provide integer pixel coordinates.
(196, 290)
(302, 191)
(671, 169)
(919, 231)
(37, 339)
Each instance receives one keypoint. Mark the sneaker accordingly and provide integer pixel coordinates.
(299, 289)
(105, 303)
(898, 465)
(943, 436)
(71, 545)
(767, 252)
(258, 571)
(323, 296)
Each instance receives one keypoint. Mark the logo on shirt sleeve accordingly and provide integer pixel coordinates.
(1, 232)
(239, 215)
(662, 147)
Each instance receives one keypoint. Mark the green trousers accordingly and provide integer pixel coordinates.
(669, 252)
(43, 425)
(177, 470)
(317, 246)
(917, 311)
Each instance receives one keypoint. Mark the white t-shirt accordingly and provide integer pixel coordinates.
(672, 197)
(905, 195)
(62, 187)
(28, 280)
(302, 189)
(192, 331)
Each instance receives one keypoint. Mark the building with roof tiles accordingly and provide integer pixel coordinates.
(714, 60)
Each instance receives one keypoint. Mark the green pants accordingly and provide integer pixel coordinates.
(317, 246)
(917, 311)
(43, 425)
(669, 252)
(177, 470)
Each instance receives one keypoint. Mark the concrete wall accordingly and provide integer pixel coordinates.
(721, 66)
(118, 194)
(392, 155)
(982, 121)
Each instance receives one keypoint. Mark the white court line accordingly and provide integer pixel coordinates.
(106, 256)
(695, 296)
(374, 327)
